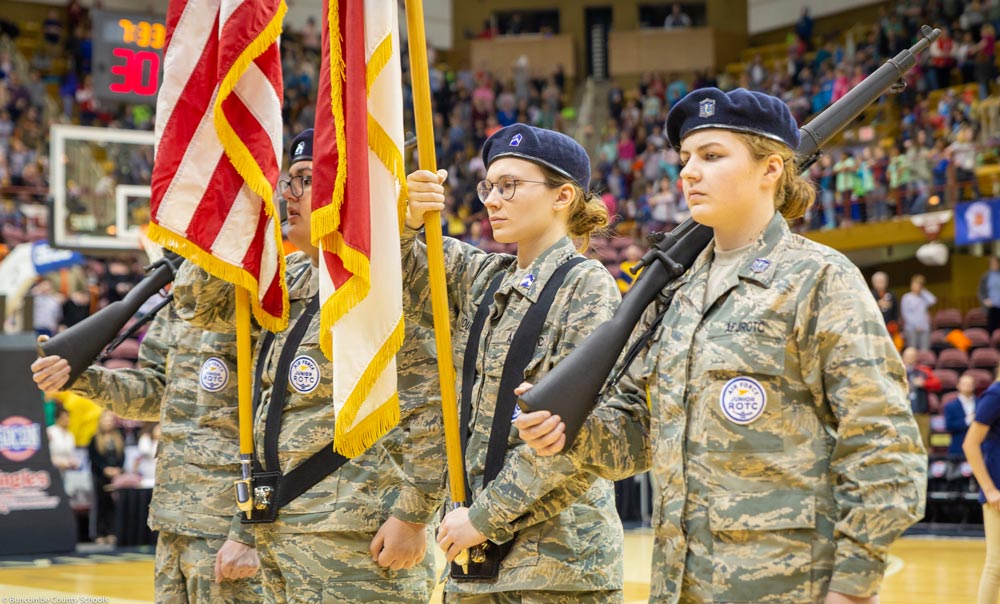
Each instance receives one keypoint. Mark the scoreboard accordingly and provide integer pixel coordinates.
(127, 56)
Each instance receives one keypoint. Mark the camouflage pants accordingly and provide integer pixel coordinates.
(539, 597)
(316, 568)
(184, 573)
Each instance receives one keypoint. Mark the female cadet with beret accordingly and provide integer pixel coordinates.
(781, 440)
(566, 536)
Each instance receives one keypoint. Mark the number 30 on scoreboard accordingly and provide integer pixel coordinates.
(128, 56)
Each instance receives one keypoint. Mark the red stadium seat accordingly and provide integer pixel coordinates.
(975, 317)
(983, 379)
(984, 358)
(934, 403)
(953, 358)
(948, 379)
(947, 398)
(119, 364)
(128, 349)
(978, 336)
(927, 357)
(947, 318)
(939, 340)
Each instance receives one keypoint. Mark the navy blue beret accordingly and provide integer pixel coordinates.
(301, 148)
(741, 110)
(548, 148)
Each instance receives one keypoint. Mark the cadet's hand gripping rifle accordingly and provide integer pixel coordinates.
(82, 343)
(571, 389)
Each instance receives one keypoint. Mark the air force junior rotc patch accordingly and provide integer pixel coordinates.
(743, 400)
(214, 374)
(303, 375)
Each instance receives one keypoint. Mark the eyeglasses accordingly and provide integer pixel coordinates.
(296, 184)
(505, 186)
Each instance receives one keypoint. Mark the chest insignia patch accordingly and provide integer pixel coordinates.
(214, 375)
(303, 375)
(743, 400)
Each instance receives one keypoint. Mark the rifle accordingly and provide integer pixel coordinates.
(574, 386)
(82, 343)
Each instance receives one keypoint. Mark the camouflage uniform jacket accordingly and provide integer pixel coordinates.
(184, 381)
(785, 456)
(570, 536)
(360, 495)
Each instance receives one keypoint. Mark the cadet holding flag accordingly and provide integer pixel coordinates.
(325, 525)
(781, 440)
(554, 534)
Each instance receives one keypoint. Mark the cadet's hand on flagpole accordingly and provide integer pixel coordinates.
(834, 597)
(457, 533)
(399, 544)
(50, 373)
(540, 430)
(425, 194)
(235, 560)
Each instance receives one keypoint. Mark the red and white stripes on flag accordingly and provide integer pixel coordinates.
(218, 146)
(358, 187)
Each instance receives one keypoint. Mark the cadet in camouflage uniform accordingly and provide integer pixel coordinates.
(349, 538)
(183, 381)
(783, 449)
(568, 538)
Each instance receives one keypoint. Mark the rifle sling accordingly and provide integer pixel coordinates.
(322, 463)
(522, 348)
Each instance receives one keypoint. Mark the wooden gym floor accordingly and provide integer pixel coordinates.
(921, 571)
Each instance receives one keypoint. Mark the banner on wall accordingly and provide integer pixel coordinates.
(35, 517)
(977, 221)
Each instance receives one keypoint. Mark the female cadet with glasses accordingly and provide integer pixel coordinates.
(560, 524)
(781, 439)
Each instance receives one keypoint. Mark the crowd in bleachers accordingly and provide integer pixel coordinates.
(918, 152)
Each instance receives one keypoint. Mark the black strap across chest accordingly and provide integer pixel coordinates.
(522, 348)
(321, 464)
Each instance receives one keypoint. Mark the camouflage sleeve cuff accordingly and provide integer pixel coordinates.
(87, 385)
(482, 521)
(409, 234)
(414, 505)
(239, 532)
(860, 577)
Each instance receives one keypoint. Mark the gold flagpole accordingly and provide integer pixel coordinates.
(244, 496)
(435, 256)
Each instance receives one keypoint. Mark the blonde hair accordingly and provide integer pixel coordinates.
(794, 193)
(587, 213)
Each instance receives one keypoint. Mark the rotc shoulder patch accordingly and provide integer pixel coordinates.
(214, 374)
(760, 265)
(743, 400)
(303, 375)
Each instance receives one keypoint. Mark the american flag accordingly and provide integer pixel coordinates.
(218, 146)
(358, 184)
